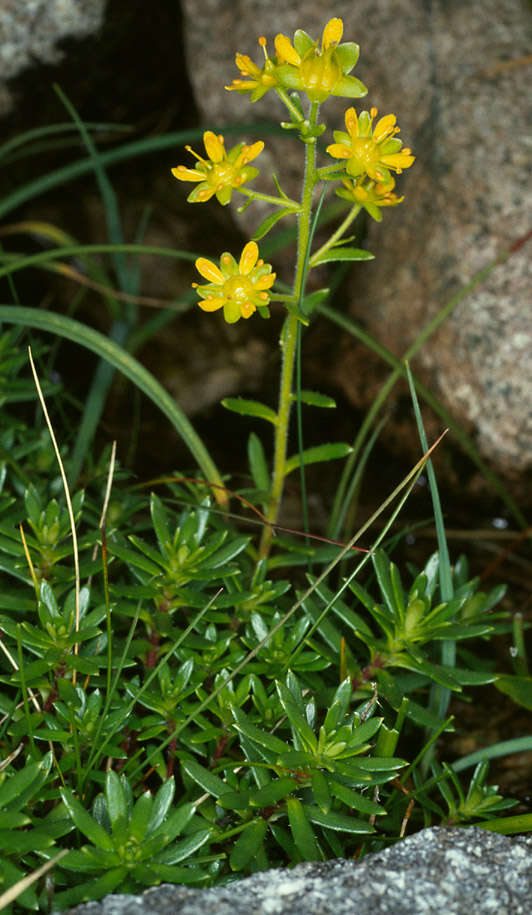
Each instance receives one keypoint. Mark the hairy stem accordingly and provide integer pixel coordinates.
(289, 344)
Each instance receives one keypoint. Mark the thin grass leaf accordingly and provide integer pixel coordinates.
(116, 356)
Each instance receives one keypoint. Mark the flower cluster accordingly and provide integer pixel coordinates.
(223, 172)
(370, 195)
(303, 65)
(240, 289)
(368, 150)
(369, 153)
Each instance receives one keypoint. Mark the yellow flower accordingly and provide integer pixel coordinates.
(257, 81)
(320, 72)
(372, 151)
(240, 289)
(369, 195)
(222, 172)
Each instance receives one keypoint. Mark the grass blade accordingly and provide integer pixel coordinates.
(130, 367)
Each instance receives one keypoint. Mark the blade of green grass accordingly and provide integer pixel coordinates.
(38, 134)
(122, 153)
(127, 311)
(440, 696)
(465, 441)
(130, 367)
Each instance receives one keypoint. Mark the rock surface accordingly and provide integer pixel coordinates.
(30, 31)
(456, 74)
(451, 871)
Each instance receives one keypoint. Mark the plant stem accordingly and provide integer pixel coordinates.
(289, 343)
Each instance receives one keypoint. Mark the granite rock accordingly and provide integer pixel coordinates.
(30, 31)
(438, 870)
(455, 72)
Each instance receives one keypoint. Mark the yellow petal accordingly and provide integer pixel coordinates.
(339, 151)
(265, 282)
(247, 309)
(285, 51)
(246, 65)
(332, 32)
(209, 271)
(351, 122)
(212, 304)
(248, 258)
(384, 127)
(398, 161)
(251, 152)
(187, 174)
(214, 146)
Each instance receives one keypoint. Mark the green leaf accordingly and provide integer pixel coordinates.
(310, 302)
(161, 804)
(248, 844)
(342, 254)
(171, 827)
(301, 830)
(92, 890)
(258, 463)
(85, 823)
(204, 778)
(518, 688)
(140, 817)
(272, 793)
(314, 399)
(320, 790)
(234, 800)
(14, 790)
(257, 735)
(328, 452)
(337, 821)
(116, 804)
(296, 719)
(353, 799)
(250, 408)
(20, 843)
(182, 850)
(268, 223)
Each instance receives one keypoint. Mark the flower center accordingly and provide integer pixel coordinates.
(319, 74)
(239, 289)
(365, 151)
(221, 175)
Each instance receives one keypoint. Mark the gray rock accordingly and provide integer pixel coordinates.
(451, 871)
(455, 72)
(30, 31)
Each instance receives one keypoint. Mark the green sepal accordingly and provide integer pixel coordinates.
(347, 53)
(350, 87)
(303, 42)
